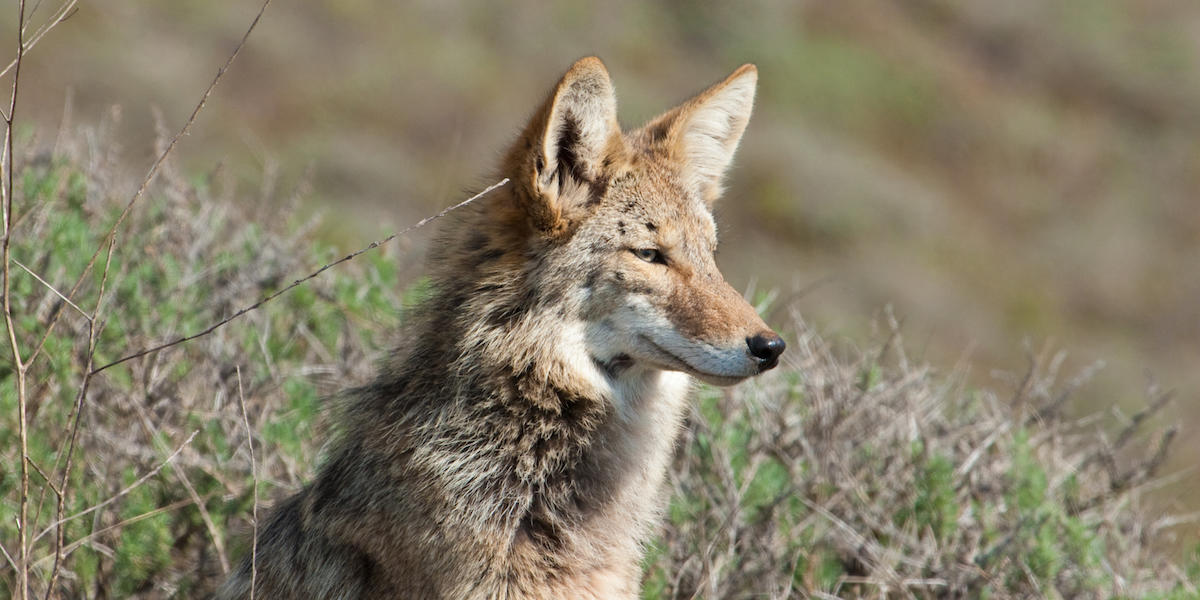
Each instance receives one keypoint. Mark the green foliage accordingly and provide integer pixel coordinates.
(144, 546)
(176, 270)
(935, 507)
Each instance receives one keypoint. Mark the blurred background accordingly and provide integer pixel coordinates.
(1008, 176)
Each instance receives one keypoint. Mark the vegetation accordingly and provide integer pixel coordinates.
(845, 474)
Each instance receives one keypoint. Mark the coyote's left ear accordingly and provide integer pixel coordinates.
(562, 157)
(703, 133)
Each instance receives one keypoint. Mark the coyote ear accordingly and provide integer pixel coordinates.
(565, 145)
(703, 132)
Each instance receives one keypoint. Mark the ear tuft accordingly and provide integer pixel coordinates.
(583, 115)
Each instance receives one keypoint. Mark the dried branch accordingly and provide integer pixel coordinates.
(300, 281)
(64, 12)
(51, 288)
(254, 478)
(19, 366)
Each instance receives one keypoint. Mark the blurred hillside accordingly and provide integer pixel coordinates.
(997, 171)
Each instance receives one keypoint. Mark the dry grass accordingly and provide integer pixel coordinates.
(862, 475)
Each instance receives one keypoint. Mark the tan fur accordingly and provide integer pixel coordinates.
(516, 444)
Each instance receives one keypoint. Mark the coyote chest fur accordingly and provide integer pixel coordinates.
(516, 445)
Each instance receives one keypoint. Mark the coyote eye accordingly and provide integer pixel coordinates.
(649, 255)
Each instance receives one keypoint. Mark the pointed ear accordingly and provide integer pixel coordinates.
(561, 157)
(703, 133)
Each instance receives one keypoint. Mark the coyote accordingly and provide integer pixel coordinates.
(516, 446)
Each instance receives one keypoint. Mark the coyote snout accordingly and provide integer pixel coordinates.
(516, 446)
(679, 314)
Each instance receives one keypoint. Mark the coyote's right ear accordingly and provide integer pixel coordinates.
(563, 150)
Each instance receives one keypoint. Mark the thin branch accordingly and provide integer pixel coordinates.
(8, 557)
(51, 288)
(1155, 405)
(43, 474)
(213, 533)
(254, 478)
(66, 11)
(120, 494)
(33, 11)
(19, 366)
(112, 231)
(300, 281)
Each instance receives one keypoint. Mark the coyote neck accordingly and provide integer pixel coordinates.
(578, 443)
(546, 460)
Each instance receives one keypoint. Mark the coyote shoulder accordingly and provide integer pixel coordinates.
(516, 446)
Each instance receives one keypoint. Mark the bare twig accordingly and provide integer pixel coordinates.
(51, 288)
(218, 541)
(63, 13)
(8, 557)
(112, 231)
(300, 281)
(1155, 405)
(254, 478)
(19, 366)
(43, 474)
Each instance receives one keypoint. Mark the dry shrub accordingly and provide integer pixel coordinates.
(862, 475)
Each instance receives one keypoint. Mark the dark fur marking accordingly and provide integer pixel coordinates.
(505, 315)
(476, 242)
(619, 276)
(335, 478)
(621, 227)
(541, 530)
(651, 226)
(548, 297)
(568, 141)
(597, 191)
(657, 133)
(489, 256)
(590, 281)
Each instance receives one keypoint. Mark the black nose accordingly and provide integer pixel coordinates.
(766, 347)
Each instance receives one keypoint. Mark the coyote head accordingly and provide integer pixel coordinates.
(614, 231)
